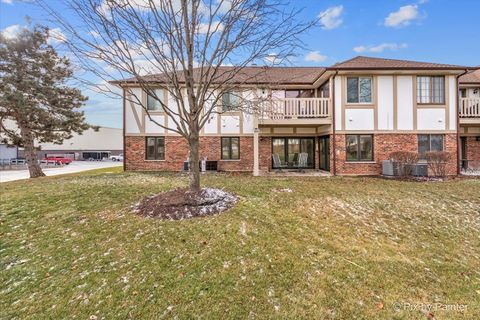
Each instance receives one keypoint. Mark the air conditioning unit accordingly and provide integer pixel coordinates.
(390, 168)
(209, 165)
(420, 170)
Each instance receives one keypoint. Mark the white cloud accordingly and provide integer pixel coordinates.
(331, 18)
(12, 31)
(380, 48)
(271, 58)
(403, 17)
(216, 26)
(315, 56)
(55, 36)
(7, 1)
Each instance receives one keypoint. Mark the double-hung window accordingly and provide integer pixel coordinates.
(155, 101)
(431, 90)
(359, 147)
(230, 101)
(230, 148)
(359, 90)
(155, 147)
(429, 142)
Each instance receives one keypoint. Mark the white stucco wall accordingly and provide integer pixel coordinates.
(230, 124)
(431, 119)
(151, 126)
(452, 85)
(359, 119)
(405, 102)
(174, 107)
(131, 125)
(338, 103)
(385, 103)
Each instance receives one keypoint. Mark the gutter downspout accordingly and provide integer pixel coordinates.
(458, 120)
(334, 147)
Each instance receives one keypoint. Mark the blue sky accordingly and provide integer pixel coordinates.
(442, 31)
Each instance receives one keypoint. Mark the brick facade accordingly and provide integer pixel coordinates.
(383, 145)
(176, 152)
(473, 152)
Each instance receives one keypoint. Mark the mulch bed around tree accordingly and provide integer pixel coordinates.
(182, 204)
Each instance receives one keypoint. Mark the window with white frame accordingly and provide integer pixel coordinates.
(359, 90)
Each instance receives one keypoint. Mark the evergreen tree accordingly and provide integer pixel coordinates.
(35, 95)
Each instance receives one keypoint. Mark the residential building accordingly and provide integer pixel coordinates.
(469, 110)
(347, 118)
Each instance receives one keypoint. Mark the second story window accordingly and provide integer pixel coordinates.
(230, 101)
(359, 90)
(431, 90)
(154, 103)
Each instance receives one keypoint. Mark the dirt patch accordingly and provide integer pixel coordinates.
(182, 204)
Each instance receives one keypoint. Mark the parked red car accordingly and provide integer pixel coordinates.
(59, 160)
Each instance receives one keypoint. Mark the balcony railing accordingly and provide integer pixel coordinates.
(469, 108)
(296, 108)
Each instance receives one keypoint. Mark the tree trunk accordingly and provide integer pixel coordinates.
(30, 152)
(194, 170)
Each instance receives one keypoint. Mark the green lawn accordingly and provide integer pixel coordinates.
(333, 248)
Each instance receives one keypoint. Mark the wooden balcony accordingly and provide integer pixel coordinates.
(469, 109)
(296, 111)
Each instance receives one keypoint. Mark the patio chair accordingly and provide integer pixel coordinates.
(302, 161)
(277, 163)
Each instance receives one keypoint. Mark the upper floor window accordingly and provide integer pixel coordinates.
(155, 148)
(154, 102)
(359, 90)
(431, 89)
(230, 101)
(429, 142)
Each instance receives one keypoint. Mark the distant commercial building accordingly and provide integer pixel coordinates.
(90, 145)
(8, 152)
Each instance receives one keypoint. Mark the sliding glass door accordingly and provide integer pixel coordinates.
(324, 150)
(288, 150)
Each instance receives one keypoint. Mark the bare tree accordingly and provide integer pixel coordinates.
(195, 49)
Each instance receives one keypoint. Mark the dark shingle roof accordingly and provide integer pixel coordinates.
(362, 63)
